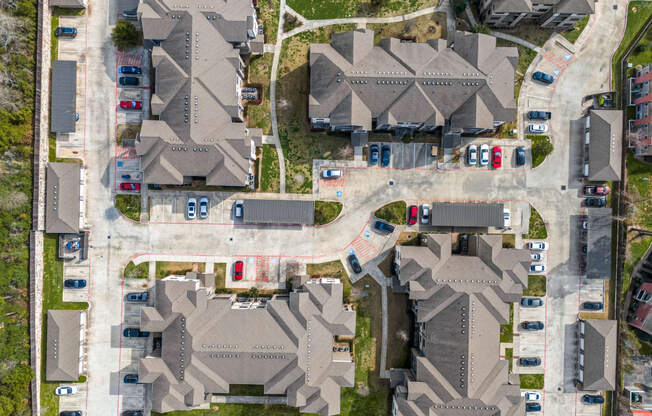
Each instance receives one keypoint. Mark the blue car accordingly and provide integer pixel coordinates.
(74, 283)
(373, 154)
(593, 399)
(543, 77)
(383, 226)
(532, 407)
(134, 333)
(131, 379)
(137, 297)
(130, 70)
(531, 302)
(386, 153)
(69, 32)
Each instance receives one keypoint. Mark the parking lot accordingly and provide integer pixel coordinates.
(76, 401)
(171, 207)
(263, 272)
(529, 343)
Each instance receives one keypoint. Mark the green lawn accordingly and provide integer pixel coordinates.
(179, 268)
(531, 381)
(577, 30)
(394, 212)
(509, 355)
(331, 9)
(333, 269)
(128, 205)
(52, 299)
(54, 43)
(537, 228)
(326, 211)
(258, 72)
(268, 15)
(507, 330)
(509, 240)
(270, 176)
(137, 272)
(635, 22)
(541, 148)
(639, 176)
(220, 276)
(536, 286)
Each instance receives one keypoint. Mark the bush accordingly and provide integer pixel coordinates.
(394, 212)
(125, 35)
(129, 205)
(481, 29)
(541, 148)
(137, 272)
(326, 211)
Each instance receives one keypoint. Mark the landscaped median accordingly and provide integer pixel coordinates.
(394, 212)
(537, 228)
(531, 381)
(137, 272)
(129, 206)
(326, 211)
(536, 286)
(541, 148)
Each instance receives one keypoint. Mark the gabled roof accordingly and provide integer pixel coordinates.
(462, 214)
(62, 197)
(605, 148)
(598, 258)
(600, 338)
(64, 96)
(471, 85)
(63, 345)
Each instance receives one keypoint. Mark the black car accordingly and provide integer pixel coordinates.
(595, 202)
(137, 297)
(131, 14)
(132, 413)
(386, 153)
(129, 81)
(373, 154)
(74, 283)
(532, 407)
(529, 361)
(131, 379)
(532, 325)
(592, 306)
(70, 413)
(383, 226)
(355, 264)
(69, 32)
(531, 302)
(593, 399)
(158, 342)
(134, 333)
(520, 156)
(539, 115)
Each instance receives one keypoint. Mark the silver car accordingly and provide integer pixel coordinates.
(238, 208)
(203, 207)
(484, 155)
(191, 208)
(425, 214)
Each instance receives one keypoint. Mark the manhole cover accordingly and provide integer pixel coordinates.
(563, 187)
(391, 182)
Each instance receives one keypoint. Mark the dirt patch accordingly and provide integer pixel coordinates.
(362, 389)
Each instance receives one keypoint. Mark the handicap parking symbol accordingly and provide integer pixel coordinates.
(338, 194)
(351, 251)
(556, 72)
(366, 234)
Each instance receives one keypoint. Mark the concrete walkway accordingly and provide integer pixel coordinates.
(272, 96)
(250, 399)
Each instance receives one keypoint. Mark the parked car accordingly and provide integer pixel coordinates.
(537, 128)
(385, 156)
(67, 32)
(130, 186)
(543, 77)
(157, 343)
(537, 268)
(425, 214)
(191, 208)
(532, 407)
(484, 155)
(126, 176)
(65, 390)
(131, 379)
(383, 226)
(74, 283)
(593, 399)
(596, 190)
(203, 207)
(137, 297)
(131, 81)
(238, 208)
(132, 413)
(70, 413)
(532, 396)
(331, 174)
(520, 156)
(529, 361)
(373, 154)
(539, 115)
(237, 270)
(355, 264)
(413, 213)
(595, 202)
(532, 326)
(536, 256)
(131, 14)
(134, 333)
(472, 155)
(585, 225)
(592, 306)
(131, 105)
(538, 245)
(507, 219)
(497, 157)
(531, 302)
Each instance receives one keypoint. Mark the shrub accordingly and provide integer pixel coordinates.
(125, 35)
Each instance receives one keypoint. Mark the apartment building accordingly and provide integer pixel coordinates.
(640, 96)
(550, 14)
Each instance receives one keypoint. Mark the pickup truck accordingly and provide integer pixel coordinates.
(540, 115)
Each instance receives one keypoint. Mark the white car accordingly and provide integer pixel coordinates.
(531, 396)
(238, 208)
(331, 174)
(536, 256)
(537, 268)
(484, 155)
(425, 214)
(538, 245)
(65, 390)
(472, 154)
(191, 208)
(537, 128)
(203, 207)
(508, 218)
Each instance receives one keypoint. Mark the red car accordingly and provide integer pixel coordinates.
(412, 214)
(497, 158)
(128, 186)
(237, 270)
(131, 105)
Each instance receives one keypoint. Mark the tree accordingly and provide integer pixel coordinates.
(542, 147)
(125, 35)
(459, 6)
(253, 292)
(481, 29)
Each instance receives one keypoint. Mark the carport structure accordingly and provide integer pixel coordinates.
(274, 211)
